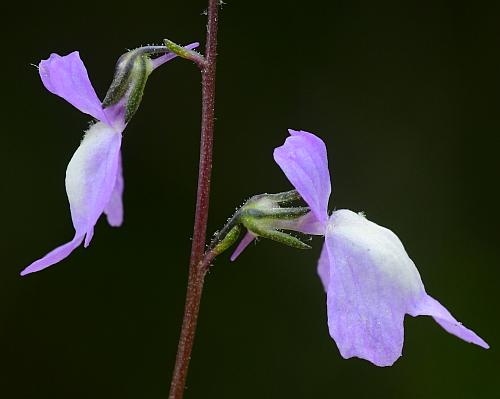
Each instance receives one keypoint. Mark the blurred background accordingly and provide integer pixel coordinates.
(405, 94)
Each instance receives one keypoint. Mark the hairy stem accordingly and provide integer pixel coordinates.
(199, 261)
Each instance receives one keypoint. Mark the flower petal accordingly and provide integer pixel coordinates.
(373, 284)
(114, 209)
(54, 256)
(303, 159)
(307, 224)
(245, 242)
(91, 177)
(67, 77)
(428, 306)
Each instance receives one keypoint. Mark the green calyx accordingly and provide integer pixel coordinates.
(264, 216)
(228, 240)
(131, 74)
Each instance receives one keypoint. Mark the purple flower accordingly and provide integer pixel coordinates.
(370, 281)
(94, 180)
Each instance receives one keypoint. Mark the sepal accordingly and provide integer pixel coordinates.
(185, 52)
(263, 216)
(229, 239)
(131, 74)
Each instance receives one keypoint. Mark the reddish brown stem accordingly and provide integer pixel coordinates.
(198, 263)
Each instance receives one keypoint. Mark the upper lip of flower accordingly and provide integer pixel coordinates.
(304, 161)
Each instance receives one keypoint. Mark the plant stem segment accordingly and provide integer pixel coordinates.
(199, 261)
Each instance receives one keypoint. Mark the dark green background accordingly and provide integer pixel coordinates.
(405, 94)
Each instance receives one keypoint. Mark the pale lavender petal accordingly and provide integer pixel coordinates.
(67, 77)
(90, 179)
(428, 306)
(54, 256)
(303, 159)
(170, 56)
(245, 242)
(324, 268)
(91, 176)
(114, 209)
(372, 284)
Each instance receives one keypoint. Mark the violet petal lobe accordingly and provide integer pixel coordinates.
(373, 284)
(307, 224)
(428, 306)
(303, 159)
(54, 256)
(66, 76)
(114, 209)
(91, 176)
